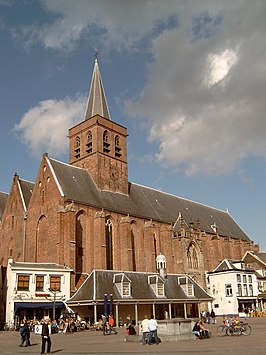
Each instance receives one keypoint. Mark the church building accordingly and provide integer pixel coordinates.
(88, 216)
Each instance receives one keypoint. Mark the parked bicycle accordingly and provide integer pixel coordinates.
(234, 329)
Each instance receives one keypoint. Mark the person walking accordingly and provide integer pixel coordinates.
(22, 332)
(145, 329)
(153, 325)
(46, 337)
(111, 323)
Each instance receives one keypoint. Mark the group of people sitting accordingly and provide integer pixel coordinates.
(200, 331)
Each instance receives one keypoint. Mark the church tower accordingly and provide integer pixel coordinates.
(99, 144)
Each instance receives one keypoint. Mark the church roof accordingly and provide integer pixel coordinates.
(96, 103)
(77, 185)
(3, 200)
(101, 282)
(26, 190)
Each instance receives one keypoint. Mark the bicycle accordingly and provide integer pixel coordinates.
(222, 330)
(245, 329)
(234, 329)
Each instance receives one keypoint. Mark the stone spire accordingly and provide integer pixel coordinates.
(96, 103)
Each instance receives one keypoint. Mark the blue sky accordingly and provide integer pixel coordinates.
(187, 78)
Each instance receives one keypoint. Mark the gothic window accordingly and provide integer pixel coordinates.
(109, 244)
(77, 147)
(250, 290)
(80, 243)
(189, 259)
(106, 144)
(192, 257)
(89, 143)
(155, 249)
(118, 151)
(133, 252)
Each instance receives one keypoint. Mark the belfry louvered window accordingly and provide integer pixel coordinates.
(118, 150)
(89, 143)
(77, 148)
(106, 144)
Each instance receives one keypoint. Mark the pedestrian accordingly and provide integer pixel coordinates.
(213, 317)
(153, 325)
(46, 336)
(27, 333)
(111, 323)
(145, 329)
(22, 332)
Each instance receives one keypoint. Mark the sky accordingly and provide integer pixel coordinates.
(187, 78)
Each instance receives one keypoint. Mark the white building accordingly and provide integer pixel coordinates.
(35, 290)
(233, 286)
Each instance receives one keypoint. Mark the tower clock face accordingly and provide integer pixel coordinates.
(114, 174)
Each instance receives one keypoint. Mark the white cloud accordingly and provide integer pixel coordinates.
(219, 65)
(204, 95)
(204, 99)
(43, 128)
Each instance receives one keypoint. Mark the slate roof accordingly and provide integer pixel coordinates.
(26, 188)
(3, 201)
(144, 202)
(97, 103)
(42, 266)
(140, 288)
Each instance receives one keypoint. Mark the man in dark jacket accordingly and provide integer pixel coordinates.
(46, 336)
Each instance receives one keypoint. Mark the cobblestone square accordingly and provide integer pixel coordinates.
(92, 342)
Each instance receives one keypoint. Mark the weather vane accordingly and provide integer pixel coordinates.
(96, 52)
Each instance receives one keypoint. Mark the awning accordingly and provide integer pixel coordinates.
(18, 305)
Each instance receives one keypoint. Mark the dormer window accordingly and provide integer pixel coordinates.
(186, 285)
(123, 284)
(106, 144)
(89, 143)
(157, 285)
(118, 151)
(77, 148)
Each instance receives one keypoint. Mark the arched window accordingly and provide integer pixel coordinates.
(189, 259)
(109, 244)
(77, 142)
(132, 241)
(192, 257)
(77, 147)
(89, 143)
(106, 144)
(80, 233)
(118, 151)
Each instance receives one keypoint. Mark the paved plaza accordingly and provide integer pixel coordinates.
(92, 342)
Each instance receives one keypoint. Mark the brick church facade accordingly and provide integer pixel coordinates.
(87, 215)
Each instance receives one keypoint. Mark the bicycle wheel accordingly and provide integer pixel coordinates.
(246, 329)
(221, 331)
(232, 330)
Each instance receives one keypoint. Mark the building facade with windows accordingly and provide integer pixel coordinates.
(88, 216)
(233, 287)
(35, 290)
